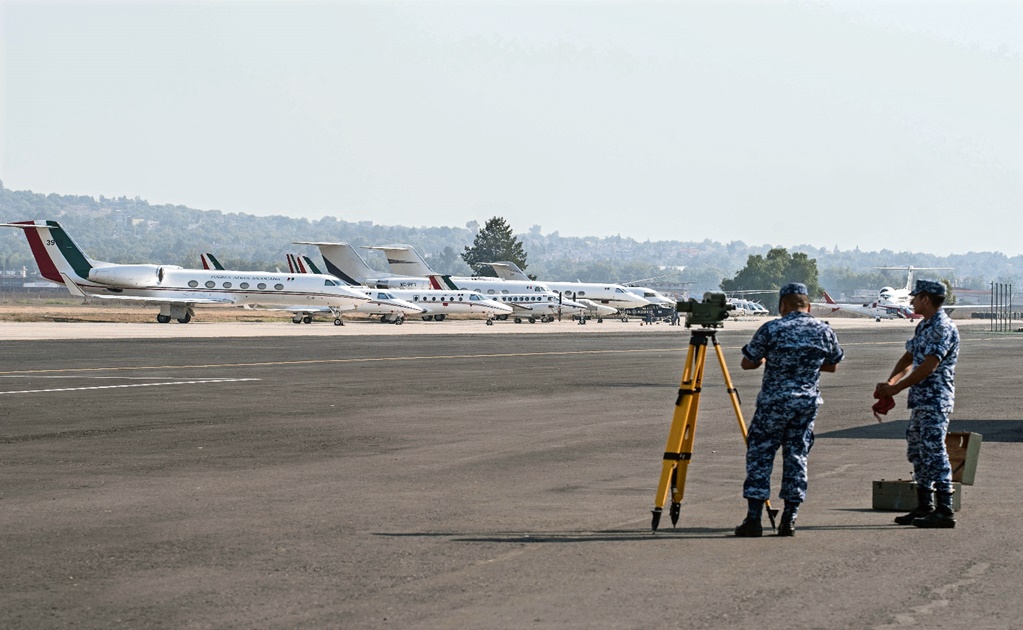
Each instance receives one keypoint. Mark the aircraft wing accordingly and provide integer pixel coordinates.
(159, 300)
(297, 309)
(532, 307)
(77, 291)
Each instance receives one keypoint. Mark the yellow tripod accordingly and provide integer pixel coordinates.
(679, 450)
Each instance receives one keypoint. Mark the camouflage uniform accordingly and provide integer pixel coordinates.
(931, 400)
(795, 346)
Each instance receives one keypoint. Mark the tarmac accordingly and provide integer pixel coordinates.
(439, 475)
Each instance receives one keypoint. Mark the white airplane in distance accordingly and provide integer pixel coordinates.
(174, 289)
(890, 295)
(342, 261)
(654, 297)
(507, 270)
(877, 309)
(436, 305)
(528, 295)
(546, 306)
(405, 259)
(390, 309)
(597, 310)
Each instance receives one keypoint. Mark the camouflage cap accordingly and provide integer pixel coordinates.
(793, 288)
(929, 286)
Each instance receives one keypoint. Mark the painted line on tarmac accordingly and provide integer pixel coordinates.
(80, 389)
(339, 361)
(499, 355)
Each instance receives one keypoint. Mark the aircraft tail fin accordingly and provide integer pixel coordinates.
(209, 261)
(341, 260)
(827, 298)
(308, 264)
(298, 263)
(442, 282)
(404, 260)
(56, 253)
(507, 270)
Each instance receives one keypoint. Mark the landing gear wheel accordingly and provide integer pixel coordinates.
(440, 317)
(503, 317)
(600, 320)
(427, 318)
(518, 320)
(338, 322)
(490, 322)
(399, 321)
(532, 320)
(308, 319)
(163, 319)
(184, 320)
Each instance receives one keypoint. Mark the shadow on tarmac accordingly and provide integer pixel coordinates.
(991, 430)
(688, 533)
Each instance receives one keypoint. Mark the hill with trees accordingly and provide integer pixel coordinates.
(129, 230)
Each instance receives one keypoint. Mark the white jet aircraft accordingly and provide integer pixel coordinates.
(876, 309)
(597, 310)
(391, 310)
(612, 295)
(507, 270)
(900, 297)
(344, 262)
(405, 259)
(654, 297)
(174, 289)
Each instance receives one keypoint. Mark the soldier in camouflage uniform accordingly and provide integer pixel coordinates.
(795, 348)
(927, 369)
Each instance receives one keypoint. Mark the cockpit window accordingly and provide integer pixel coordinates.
(329, 283)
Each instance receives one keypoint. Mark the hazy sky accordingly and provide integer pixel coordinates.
(853, 124)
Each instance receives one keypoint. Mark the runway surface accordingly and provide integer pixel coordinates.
(470, 479)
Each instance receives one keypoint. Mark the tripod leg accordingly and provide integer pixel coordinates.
(679, 448)
(733, 393)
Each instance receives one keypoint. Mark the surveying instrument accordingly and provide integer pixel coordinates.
(709, 315)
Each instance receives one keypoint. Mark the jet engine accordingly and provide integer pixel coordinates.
(133, 276)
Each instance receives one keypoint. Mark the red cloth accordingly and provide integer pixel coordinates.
(883, 405)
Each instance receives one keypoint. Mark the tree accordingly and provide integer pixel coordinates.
(494, 242)
(447, 261)
(773, 271)
(950, 296)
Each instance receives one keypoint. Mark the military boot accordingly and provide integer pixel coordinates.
(750, 526)
(787, 527)
(943, 517)
(924, 506)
